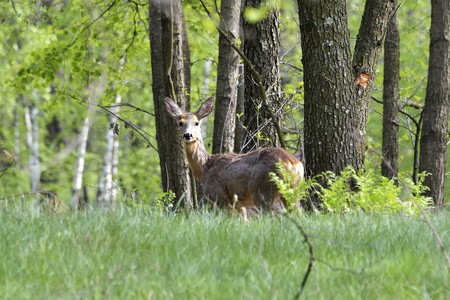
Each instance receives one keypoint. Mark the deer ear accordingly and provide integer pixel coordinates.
(205, 109)
(172, 108)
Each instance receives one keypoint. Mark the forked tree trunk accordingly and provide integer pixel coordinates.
(336, 95)
(391, 97)
(433, 142)
(369, 43)
(227, 79)
(170, 78)
(262, 48)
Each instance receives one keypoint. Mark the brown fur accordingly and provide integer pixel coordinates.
(229, 177)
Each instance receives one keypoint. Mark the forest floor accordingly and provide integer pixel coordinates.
(136, 253)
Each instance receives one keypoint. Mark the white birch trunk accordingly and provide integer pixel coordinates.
(105, 179)
(33, 163)
(107, 189)
(16, 136)
(115, 162)
(79, 168)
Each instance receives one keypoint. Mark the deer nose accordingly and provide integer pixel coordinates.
(188, 136)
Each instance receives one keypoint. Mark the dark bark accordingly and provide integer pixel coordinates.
(330, 139)
(227, 79)
(169, 79)
(391, 97)
(433, 143)
(369, 44)
(239, 131)
(262, 48)
(336, 99)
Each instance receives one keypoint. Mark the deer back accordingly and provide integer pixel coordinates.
(246, 176)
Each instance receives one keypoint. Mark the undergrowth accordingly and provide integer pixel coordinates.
(371, 193)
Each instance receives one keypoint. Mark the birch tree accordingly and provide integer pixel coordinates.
(107, 190)
(79, 166)
(31, 116)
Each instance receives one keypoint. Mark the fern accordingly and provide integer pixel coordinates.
(374, 194)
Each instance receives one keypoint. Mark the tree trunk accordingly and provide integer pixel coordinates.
(227, 79)
(433, 143)
(104, 199)
(115, 158)
(336, 94)
(79, 167)
(240, 107)
(168, 47)
(107, 189)
(262, 48)
(391, 97)
(330, 140)
(31, 114)
(16, 136)
(369, 43)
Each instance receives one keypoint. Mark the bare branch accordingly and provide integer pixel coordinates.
(93, 21)
(128, 123)
(436, 235)
(414, 93)
(132, 106)
(311, 256)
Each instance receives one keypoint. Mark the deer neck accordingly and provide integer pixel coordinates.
(197, 156)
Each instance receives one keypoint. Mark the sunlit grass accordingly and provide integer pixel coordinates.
(134, 254)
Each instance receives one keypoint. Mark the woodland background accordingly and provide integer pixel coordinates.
(69, 67)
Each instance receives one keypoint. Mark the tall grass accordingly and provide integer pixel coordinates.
(136, 254)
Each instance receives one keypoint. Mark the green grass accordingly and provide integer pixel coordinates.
(132, 254)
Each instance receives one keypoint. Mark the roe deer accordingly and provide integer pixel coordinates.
(230, 179)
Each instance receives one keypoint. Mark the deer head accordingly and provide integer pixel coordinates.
(189, 122)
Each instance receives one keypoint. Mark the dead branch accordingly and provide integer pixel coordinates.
(127, 123)
(9, 160)
(436, 235)
(311, 256)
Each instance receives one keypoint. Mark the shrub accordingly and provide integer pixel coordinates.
(372, 193)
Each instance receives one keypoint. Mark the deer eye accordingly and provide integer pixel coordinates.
(180, 124)
(196, 123)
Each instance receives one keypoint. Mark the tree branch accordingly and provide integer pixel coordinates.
(132, 106)
(130, 124)
(311, 256)
(86, 27)
(436, 236)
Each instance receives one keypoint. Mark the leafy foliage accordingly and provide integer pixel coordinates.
(371, 194)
